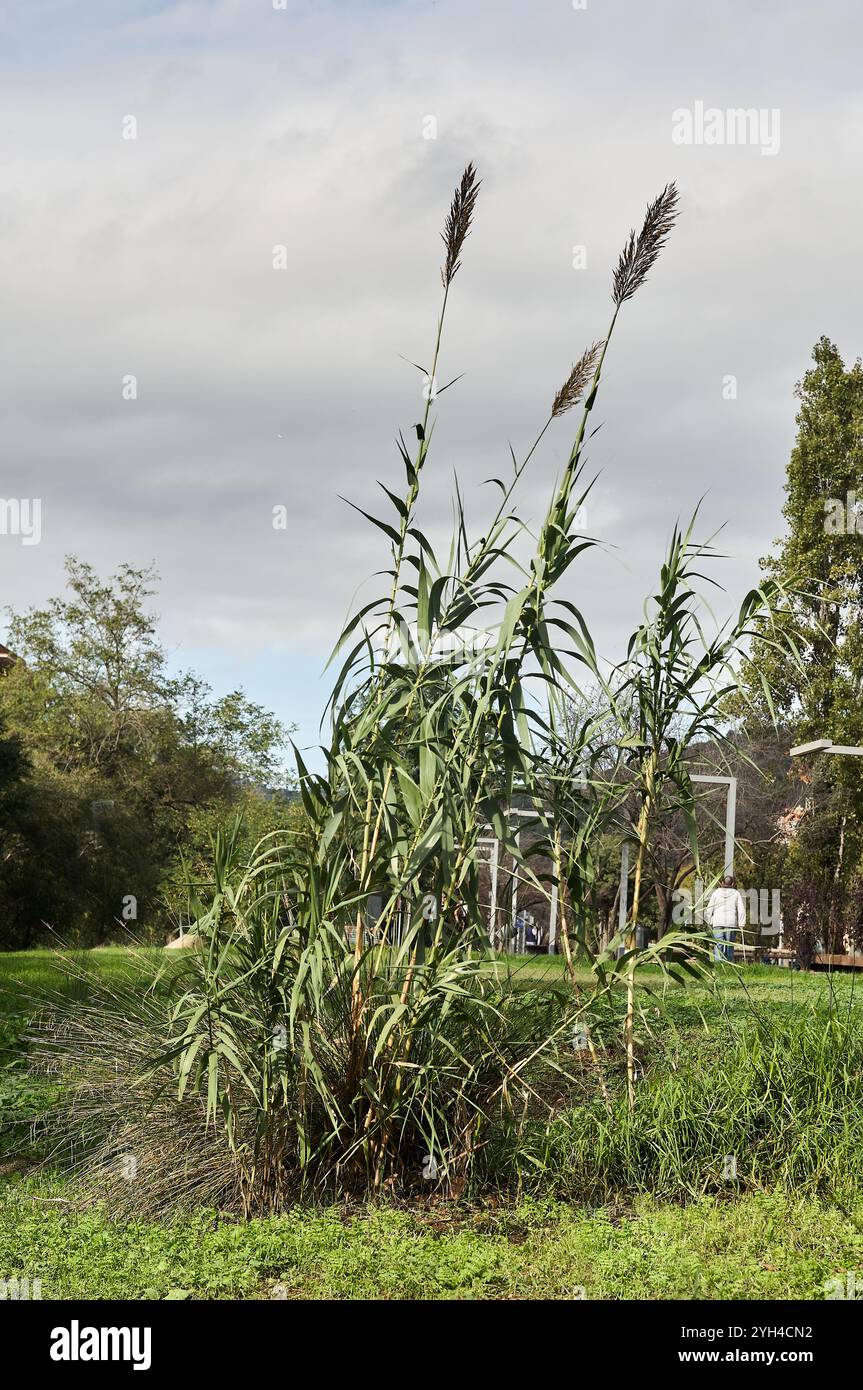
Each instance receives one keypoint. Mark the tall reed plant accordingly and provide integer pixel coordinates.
(313, 1042)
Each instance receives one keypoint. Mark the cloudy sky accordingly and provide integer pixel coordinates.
(306, 126)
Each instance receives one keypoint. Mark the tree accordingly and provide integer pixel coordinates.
(822, 546)
(14, 769)
(122, 755)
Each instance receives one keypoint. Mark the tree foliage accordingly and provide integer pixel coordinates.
(825, 698)
(115, 756)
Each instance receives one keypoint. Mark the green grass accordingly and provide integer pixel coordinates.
(763, 1246)
(745, 1065)
(26, 976)
(731, 995)
(24, 972)
(779, 1104)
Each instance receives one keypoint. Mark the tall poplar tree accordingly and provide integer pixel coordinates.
(823, 550)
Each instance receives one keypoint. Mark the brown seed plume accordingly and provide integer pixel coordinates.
(579, 378)
(457, 225)
(640, 252)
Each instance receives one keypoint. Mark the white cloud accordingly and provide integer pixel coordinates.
(259, 387)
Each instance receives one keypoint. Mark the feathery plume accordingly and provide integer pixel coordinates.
(457, 225)
(579, 378)
(640, 252)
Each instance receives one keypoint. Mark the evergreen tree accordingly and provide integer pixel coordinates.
(823, 551)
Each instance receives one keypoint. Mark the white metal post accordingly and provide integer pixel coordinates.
(623, 907)
(493, 907)
(730, 826)
(730, 815)
(515, 897)
(552, 921)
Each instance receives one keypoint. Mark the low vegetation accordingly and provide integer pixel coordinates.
(761, 1246)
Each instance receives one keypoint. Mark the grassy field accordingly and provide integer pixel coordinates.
(736, 988)
(762, 1246)
(748, 1064)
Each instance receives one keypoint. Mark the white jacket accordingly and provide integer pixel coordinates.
(726, 908)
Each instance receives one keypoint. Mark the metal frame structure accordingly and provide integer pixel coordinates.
(494, 864)
(730, 829)
(826, 745)
(730, 815)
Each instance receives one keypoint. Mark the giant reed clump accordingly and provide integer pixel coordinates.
(312, 1045)
(237, 1083)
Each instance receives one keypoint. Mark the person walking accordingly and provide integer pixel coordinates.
(726, 912)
